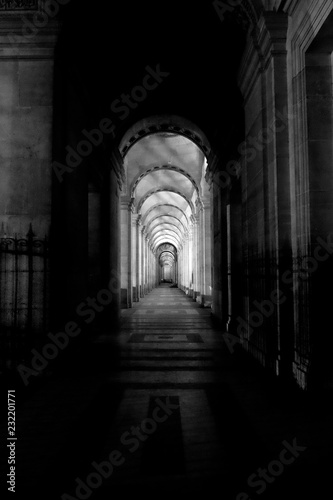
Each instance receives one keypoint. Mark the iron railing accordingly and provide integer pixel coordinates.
(24, 295)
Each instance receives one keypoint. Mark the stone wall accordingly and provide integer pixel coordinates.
(286, 81)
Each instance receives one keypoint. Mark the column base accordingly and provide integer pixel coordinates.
(208, 301)
(135, 294)
(231, 325)
(125, 299)
(204, 300)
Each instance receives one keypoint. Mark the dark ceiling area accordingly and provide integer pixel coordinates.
(111, 45)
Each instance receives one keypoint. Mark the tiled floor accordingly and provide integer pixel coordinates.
(176, 412)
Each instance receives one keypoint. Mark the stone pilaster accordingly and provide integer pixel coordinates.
(27, 96)
(126, 252)
(267, 189)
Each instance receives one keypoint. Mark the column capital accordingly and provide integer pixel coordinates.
(209, 177)
(131, 206)
(272, 35)
(127, 202)
(193, 220)
(269, 39)
(135, 218)
(205, 203)
(199, 204)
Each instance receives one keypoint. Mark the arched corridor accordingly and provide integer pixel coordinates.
(165, 206)
(166, 194)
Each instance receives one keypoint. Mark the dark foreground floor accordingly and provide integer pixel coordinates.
(176, 413)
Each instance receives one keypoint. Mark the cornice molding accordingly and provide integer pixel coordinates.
(272, 35)
(269, 38)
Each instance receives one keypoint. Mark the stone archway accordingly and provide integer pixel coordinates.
(165, 200)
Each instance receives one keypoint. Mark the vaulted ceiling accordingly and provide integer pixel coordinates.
(165, 179)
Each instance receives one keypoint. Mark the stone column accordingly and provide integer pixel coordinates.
(267, 194)
(195, 258)
(235, 265)
(221, 249)
(205, 253)
(208, 254)
(149, 266)
(153, 267)
(126, 253)
(191, 257)
(176, 270)
(185, 263)
(217, 275)
(157, 266)
(200, 250)
(143, 269)
(135, 261)
(180, 267)
(146, 263)
(139, 257)
(273, 39)
(112, 229)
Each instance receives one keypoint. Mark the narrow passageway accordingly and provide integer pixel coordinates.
(177, 412)
(178, 425)
(169, 361)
